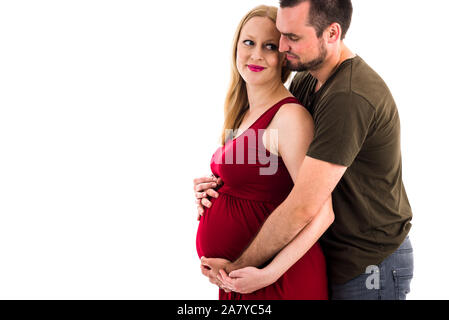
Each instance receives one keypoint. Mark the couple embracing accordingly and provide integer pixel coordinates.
(306, 199)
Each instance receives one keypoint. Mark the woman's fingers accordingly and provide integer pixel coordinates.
(204, 180)
(208, 193)
(204, 186)
(200, 195)
(199, 208)
(224, 285)
(203, 201)
(206, 203)
(204, 183)
(227, 281)
(211, 193)
(200, 213)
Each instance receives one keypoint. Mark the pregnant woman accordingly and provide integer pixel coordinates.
(257, 163)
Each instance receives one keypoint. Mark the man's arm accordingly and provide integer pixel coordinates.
(251, 279)
(342, 124)
(313, 186)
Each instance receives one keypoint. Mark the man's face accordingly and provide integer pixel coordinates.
(304, 51)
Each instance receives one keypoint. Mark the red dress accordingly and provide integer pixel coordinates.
(248, 196)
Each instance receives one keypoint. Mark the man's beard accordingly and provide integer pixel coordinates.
(311, 65)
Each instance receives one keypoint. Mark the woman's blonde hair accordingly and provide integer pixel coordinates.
(236, 102)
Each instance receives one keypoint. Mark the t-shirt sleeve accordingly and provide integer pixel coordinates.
(342, 123)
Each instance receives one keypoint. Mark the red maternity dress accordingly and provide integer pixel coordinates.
(246, 199)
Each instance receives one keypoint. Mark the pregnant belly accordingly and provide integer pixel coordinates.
(227, 228)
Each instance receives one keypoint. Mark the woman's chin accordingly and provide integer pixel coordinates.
(258, 80)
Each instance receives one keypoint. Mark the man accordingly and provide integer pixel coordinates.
(355, 156)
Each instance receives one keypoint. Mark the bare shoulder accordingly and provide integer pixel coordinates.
(292, 115)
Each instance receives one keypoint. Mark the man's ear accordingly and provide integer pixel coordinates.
(334, 32)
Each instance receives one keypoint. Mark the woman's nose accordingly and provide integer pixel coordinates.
(257, 53)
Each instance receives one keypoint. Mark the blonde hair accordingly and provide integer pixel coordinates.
(236, 102)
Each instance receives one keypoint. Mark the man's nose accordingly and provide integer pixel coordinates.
(283, 46)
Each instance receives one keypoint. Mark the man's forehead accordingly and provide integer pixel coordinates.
(290, 19)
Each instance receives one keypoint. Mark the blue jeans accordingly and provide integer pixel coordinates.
(389, 280)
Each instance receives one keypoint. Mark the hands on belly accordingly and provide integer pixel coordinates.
(204, 188)
(246, 280)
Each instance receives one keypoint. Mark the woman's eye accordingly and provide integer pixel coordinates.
(271, 46)
(248, 42)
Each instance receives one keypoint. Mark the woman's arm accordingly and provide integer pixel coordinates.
(250, 279)
(302, 243)
(295, 132)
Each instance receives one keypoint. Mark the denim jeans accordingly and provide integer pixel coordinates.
(389, 280)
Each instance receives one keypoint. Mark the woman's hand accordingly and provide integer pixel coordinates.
(247, 280)
(204, 188)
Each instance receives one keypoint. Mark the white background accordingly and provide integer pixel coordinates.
(109, 109)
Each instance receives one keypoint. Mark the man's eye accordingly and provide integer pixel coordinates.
(248, 42)
(271, 46)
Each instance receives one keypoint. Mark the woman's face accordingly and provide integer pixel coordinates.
(258, 58)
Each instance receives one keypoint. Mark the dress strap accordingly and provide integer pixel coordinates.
(267, 117)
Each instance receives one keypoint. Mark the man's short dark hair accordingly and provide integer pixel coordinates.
(325, 12)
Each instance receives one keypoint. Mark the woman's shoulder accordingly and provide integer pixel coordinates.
(292, 114)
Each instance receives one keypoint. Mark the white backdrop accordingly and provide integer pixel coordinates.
(109, 109)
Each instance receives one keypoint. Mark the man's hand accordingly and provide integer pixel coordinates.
(204, 188)
(211, 267)
(246, 280)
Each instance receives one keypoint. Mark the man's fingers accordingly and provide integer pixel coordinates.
(205, 261)
(205, 268)
(205, 271)
(214, 281)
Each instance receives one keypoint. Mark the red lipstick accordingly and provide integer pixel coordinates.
(255, 68)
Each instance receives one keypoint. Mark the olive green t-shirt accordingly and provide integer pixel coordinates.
(357, 126)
